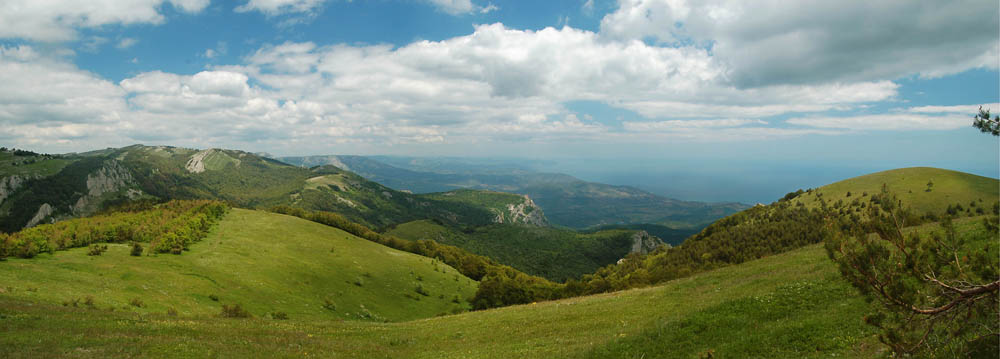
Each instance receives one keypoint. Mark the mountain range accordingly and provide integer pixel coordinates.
(567, 201)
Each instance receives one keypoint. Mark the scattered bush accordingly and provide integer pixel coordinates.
(234, 311)
(420, 290)
(136, 249)
(172, 312)
(213, 297)
(97, 249)
(279, 315)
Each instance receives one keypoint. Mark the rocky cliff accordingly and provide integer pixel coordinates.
(112, 177)
(644, 243)
(526, 212)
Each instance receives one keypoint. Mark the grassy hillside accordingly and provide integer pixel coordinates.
(30, 164)
(789, 305)
(923, 189)
(266, 262)
(555, 254)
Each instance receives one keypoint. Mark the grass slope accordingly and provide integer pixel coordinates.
(910, 186)
(263, 261)
(552, 253)
(605, 325)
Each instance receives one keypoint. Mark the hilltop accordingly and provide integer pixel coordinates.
(922, 189)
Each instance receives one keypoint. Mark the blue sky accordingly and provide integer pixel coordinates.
(648, 85)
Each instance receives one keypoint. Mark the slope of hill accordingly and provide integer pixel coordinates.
(555, 254)
(788, 305)
(567, 201)
(263, 261)
(790, 223)
(922, 189)
(74, 185)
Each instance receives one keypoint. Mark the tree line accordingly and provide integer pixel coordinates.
(168, 228)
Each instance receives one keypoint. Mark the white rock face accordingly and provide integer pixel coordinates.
(10, 184)
(644, 243)
(112, 177)
(196, 164)
(44, 210)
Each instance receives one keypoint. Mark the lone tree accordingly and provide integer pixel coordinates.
(983, 122)
(938, 292)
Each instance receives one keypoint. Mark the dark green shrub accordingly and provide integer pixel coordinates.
(234, 311)
(213, 297)
(420, 290)
(97, 249)
(279, 316)
(136, 249)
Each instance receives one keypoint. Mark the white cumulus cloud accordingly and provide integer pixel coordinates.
(58, 20)
(816, 41)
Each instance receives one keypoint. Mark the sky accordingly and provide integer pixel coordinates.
(701, 89)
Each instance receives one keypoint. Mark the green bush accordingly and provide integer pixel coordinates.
(136, 249)
(96, 249)
(234, 311)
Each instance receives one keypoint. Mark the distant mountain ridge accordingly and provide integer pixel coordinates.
(567, 201)
(42, 188)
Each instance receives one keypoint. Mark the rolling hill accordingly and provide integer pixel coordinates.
(263, 261)
(788, 305)
(567, 201)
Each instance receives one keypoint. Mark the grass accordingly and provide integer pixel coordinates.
(265, 262)
(43, 167)
(327, 180)
(910, 186)
(823, 319)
